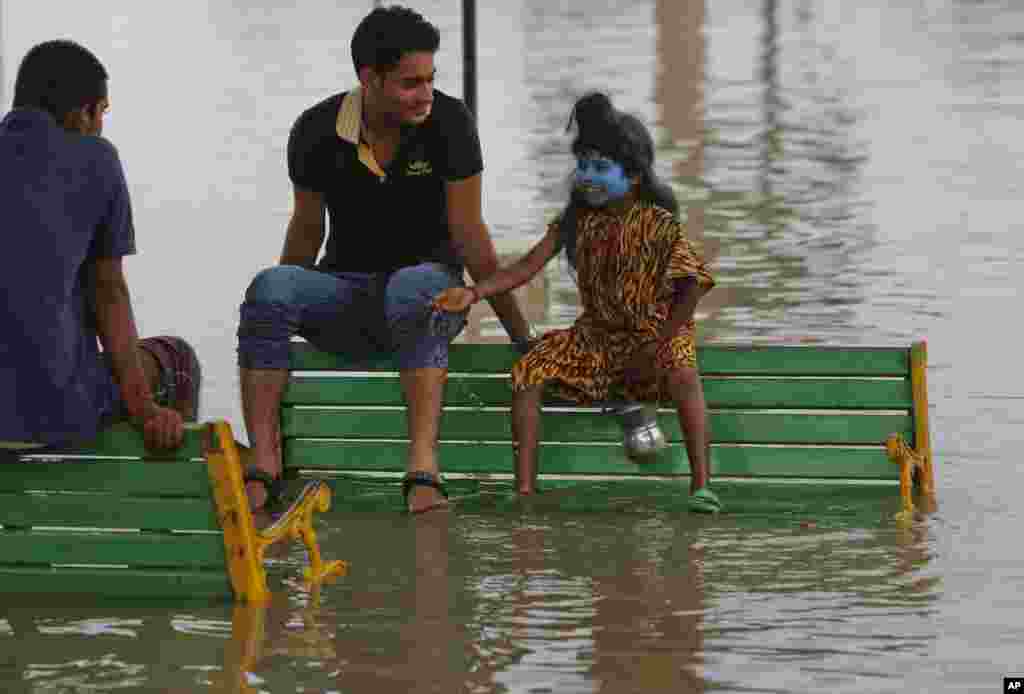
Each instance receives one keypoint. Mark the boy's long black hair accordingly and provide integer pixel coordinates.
(621, 137)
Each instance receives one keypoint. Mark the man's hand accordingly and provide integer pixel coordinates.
(162, 428)
(455, 300)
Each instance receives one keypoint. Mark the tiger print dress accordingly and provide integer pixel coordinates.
(625, 265)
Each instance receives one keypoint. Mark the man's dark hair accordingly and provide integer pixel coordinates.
(59, 77)
(387, 34)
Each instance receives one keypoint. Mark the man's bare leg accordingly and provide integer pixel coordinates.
(423, 389)
(526, 434)
(262, 390)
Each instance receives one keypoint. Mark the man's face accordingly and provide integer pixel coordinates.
(406, 92)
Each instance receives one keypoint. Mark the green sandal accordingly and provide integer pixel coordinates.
(704, 501)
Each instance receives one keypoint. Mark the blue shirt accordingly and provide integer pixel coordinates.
(63, 204)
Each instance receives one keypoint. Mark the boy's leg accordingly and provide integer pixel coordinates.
(526, 434)
(420, 340)
(283, 301)
(687, 393)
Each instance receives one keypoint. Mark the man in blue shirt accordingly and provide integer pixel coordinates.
(67, 223)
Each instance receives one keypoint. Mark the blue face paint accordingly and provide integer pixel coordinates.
(600, 180)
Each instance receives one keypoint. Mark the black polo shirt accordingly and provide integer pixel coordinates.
(384, 219)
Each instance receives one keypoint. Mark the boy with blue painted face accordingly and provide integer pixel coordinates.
(639, 279)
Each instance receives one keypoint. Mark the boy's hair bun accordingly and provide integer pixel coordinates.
(594, 115)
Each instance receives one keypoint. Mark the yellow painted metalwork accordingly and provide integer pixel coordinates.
(920, 456)
(245, 546)
(242, 551)
(922, 435)
(298, 524)
(907, 458)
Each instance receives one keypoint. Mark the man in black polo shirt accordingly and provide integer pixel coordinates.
(396, 165)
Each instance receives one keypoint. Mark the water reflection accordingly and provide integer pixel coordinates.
(600, 588)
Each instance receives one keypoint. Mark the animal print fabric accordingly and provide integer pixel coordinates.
(625, 268)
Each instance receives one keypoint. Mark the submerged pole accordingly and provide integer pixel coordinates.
(469, 55)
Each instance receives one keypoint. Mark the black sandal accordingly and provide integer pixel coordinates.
(272, 485)
(423, 479)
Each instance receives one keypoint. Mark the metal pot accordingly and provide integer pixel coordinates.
(641, 436)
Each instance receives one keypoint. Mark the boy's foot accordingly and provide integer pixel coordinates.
(704, 501)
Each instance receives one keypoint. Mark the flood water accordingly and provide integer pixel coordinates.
(852, 168)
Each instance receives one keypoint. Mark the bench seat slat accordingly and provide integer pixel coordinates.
(135, 549)
(116, 583)
(493, 425)
(125, 477)
(766, 360)
(123, 440)
(106, 511)
(739, 461)
(750, 393)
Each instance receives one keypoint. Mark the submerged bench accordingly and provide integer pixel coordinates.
(112, 519)
(810, 412)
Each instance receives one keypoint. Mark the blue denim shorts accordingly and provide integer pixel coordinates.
(360, 315)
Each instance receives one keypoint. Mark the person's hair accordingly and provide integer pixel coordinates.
(59, 77)
(387, 34)
(621, 137)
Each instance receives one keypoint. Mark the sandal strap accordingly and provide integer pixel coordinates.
(272, 484)
(422, 479)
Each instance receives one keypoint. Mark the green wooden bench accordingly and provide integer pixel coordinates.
(839, 414)
(111, 519)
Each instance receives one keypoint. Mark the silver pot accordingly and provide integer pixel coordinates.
(641, 436)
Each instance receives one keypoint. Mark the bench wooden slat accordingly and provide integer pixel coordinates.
(172, 479)
(106, 511)
(120, 583)
(491, 425)
(123, 440)
(739, 461)
(749, 393)
(191, 551)
(809, 360)
(764, 360)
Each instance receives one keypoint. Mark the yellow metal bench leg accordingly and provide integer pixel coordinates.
(298, 524)
(908, 459)
(243, 544)
(244, 559)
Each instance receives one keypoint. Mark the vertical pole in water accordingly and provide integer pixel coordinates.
(469, 55)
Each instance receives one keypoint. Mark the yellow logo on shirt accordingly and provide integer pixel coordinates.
(418, 168)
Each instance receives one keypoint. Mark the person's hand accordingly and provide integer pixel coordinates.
(455, 300)
(640, 367)
(162, 428)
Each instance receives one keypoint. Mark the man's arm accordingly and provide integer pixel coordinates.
(112, 308)
(474, 245)
(306, 229)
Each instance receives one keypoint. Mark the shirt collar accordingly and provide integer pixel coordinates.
(350, 116)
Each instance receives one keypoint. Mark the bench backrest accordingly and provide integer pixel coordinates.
(112, 519)
(775, 411)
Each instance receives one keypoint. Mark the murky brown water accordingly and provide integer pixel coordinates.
(853, 169)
